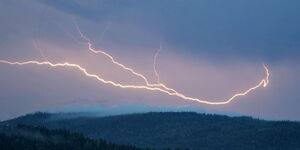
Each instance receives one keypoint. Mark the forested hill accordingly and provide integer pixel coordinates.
(177, 130)
(22, 137)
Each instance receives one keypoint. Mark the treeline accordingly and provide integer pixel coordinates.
(177, 130)
(23, 137)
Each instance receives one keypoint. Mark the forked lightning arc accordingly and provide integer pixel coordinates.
(148, 86)
(154, 61)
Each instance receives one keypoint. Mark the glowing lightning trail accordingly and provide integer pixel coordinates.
(119, 64)
(264, 82)
(104, 31)
(153, 87)
(165, 89)
(35, 45)
(154, 62)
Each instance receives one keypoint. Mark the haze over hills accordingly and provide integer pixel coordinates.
(130, 108)
(175, 130)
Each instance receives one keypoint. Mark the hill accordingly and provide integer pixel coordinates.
(38, 138)
(176, 130)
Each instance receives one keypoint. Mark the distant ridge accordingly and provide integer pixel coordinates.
(22, 137)
(176, 130)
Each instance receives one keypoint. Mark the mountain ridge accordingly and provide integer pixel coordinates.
(176, 130)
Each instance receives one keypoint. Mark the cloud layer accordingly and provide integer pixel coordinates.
(211, 50)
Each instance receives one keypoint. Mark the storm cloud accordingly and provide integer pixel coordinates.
(211, 49)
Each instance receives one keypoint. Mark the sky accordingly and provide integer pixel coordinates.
(209, 49)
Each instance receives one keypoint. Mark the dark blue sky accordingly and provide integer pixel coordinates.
(256, 29)
(211, 49)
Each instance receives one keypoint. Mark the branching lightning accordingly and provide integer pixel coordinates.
(104, 31)
(154, 62)
(264, 82)
(90, 47)
(35, 45)
(148, 86)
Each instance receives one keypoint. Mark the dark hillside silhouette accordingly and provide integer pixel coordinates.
(177, 130)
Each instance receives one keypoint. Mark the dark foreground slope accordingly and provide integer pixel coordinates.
(177, 130)
(36, 138)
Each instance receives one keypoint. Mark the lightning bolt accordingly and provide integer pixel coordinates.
(68, 34)
(37, 48)
(104, 31)
(153, 87)
(264, 82)
(90, 47)
(163, 88)
(154, 61)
